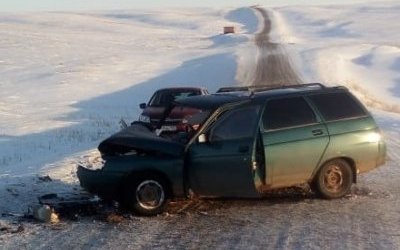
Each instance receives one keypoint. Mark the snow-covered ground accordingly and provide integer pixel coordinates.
(68, 78)
(356, 46)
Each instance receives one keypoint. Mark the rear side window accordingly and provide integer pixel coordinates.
(288, 112)
(336, 106)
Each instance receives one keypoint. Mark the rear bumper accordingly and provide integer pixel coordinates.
(105, 184)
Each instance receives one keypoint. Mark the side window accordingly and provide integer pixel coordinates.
(287, 112)
(336, 106)
(236, 124)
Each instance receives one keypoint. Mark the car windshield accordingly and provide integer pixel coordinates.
(198, 118)
(165, 98)
(182, 119)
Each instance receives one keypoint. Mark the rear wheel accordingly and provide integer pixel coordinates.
(146, 195)
(334, 179)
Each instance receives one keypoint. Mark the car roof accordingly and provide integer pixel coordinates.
(257, 95)
(180, 88)
(233, 89)
(262, 95)
(209, 101)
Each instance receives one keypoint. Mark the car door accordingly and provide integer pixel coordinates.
(294, 141)
(222, 166)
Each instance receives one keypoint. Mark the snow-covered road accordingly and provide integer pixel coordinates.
(369, 218)
(274, 66)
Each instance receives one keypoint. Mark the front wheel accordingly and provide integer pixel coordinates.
(334, 179)
(146, 195)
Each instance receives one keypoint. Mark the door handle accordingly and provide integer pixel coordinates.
(243, 149)
(317, 132)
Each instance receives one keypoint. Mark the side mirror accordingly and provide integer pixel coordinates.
(142, 105)
(202, 138)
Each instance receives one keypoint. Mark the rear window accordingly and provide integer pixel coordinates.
(164, 98)
(336, 106)
(288, 112)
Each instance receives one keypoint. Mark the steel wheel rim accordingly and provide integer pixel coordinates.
(333, 179)
(150, 194)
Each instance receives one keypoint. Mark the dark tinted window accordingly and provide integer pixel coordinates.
(164, 98)
(235, 124)
(288, 112)
(335, 106)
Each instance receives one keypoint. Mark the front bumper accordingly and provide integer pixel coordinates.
(105, 184)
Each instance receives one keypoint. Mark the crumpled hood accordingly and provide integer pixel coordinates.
(139, 137)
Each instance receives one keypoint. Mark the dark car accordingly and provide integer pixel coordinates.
(155, 110)
(246, 146)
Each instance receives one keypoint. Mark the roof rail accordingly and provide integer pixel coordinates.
(259, 88)
(233, 88)
(252, 89)
(268, 87)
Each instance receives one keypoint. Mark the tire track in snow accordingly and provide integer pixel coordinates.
(274, 66)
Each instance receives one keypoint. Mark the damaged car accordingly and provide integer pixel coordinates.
(161, 102)
(243, 146)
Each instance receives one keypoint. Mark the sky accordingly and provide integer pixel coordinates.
(65, 5)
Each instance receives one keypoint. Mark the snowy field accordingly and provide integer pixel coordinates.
(68, 78)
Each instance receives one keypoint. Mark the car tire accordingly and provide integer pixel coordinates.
(146, 195)
(334, 179)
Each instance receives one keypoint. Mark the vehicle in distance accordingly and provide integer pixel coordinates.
(246, 146)
(157, 109)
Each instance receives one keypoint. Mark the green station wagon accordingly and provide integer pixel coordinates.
(246, 145)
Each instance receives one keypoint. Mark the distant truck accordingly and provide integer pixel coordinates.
(229, 29)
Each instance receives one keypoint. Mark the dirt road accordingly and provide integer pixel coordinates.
(273, 63)
(367, 219)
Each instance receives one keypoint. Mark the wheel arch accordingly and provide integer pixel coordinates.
(150, 172)
(349, 161)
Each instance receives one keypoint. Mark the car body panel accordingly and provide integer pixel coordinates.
(222, 168)
(154, 113)
(105, 184)
(139, 137)
(354, 139)
(210, 102)
(293, 154)
(118, 170)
